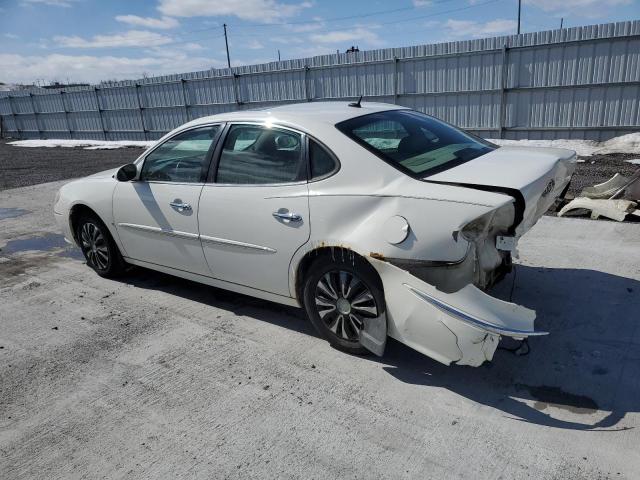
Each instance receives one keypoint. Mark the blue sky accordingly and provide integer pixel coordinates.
(91, 40)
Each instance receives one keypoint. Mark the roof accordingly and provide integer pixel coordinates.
(302, 114)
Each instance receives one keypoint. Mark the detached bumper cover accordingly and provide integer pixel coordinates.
(473, 320)
(463, 327)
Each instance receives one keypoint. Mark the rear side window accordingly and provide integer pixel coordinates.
(182, 158)
(413, 142)
(322, 163)
(254, 154)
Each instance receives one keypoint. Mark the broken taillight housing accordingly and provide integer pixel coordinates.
(491, 223)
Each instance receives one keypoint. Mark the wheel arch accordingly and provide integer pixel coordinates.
(319, 253)
(76, 212)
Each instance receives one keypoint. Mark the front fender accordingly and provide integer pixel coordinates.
(95, 193)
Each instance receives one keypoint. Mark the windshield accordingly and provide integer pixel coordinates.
(415, 143)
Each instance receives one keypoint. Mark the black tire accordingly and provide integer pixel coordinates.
(328, 269)
(99, 248)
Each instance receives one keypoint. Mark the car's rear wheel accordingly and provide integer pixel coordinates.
(98, 247)
(339, 296)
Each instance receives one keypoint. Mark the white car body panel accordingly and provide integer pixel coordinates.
(231, 240)
(153, 231)
(243, 242)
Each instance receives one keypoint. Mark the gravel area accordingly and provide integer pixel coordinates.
(22, 167)
(599, 168)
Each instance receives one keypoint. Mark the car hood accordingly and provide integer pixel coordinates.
(535, 177)
(105, 173)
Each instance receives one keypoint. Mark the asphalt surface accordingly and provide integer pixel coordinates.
(22, 166)
(151, 376)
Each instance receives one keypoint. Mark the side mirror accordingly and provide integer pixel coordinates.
(127, 172)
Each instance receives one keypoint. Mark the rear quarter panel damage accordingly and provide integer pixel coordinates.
(355, 222)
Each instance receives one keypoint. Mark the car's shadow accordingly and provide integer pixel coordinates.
(583, 376)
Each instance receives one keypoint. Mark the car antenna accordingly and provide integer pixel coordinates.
(356, 104)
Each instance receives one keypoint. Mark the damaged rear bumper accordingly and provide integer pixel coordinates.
(463, 327)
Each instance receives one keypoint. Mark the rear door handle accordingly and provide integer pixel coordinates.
(292, 217)
(180, 206)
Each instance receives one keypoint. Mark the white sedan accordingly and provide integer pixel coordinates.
(378, 220)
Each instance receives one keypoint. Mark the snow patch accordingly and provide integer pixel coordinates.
(635, 161)
(629, 143)
(86, 144)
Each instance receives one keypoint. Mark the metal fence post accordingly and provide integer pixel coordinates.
(503, 90)
(35, 114)
(396, 61)
(66, 114)
(236, 88)
(307, 89)
(140, 108)
(104, 131)
(185, 99)
(15, 117)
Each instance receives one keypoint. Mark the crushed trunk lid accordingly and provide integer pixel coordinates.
(535, 177)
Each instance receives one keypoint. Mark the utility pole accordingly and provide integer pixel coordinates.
(561, 22)
(278, 54)
(519, 8)
(226, 42)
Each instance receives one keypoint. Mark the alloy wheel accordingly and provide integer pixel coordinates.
(94, 245)
(343, 301)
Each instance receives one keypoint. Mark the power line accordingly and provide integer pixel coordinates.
(349, 17)
(392, 22)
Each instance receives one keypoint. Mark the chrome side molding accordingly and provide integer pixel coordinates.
(471, 319)
(195, 236)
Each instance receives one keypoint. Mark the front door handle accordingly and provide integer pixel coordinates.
(292, 217)
(180, 206)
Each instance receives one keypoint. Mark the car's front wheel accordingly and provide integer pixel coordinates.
(339, 296)
(98, 247)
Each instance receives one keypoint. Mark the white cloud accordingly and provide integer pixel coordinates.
(467, 28)
(422, 3)
(306, 27)
(585, 8)
(254, 45)
(358, 34)
(257, 10)
(148, 22)
(131, 38)
(192, 47)
(177, 51)
(287, 40)
(93, 69)
(11, 36)
(51, 3)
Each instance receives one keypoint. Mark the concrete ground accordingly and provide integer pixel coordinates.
(156, 377)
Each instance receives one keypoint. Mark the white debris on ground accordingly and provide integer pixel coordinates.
(629, 143)
(86, 144)
(612, 209)
(635, 161)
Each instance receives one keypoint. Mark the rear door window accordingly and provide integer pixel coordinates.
(322, 162)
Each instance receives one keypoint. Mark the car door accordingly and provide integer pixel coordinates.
(156, 215)
(255, 213)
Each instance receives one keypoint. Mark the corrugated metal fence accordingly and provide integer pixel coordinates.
(581, 82)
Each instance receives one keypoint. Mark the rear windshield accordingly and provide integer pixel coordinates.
(413, 142)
